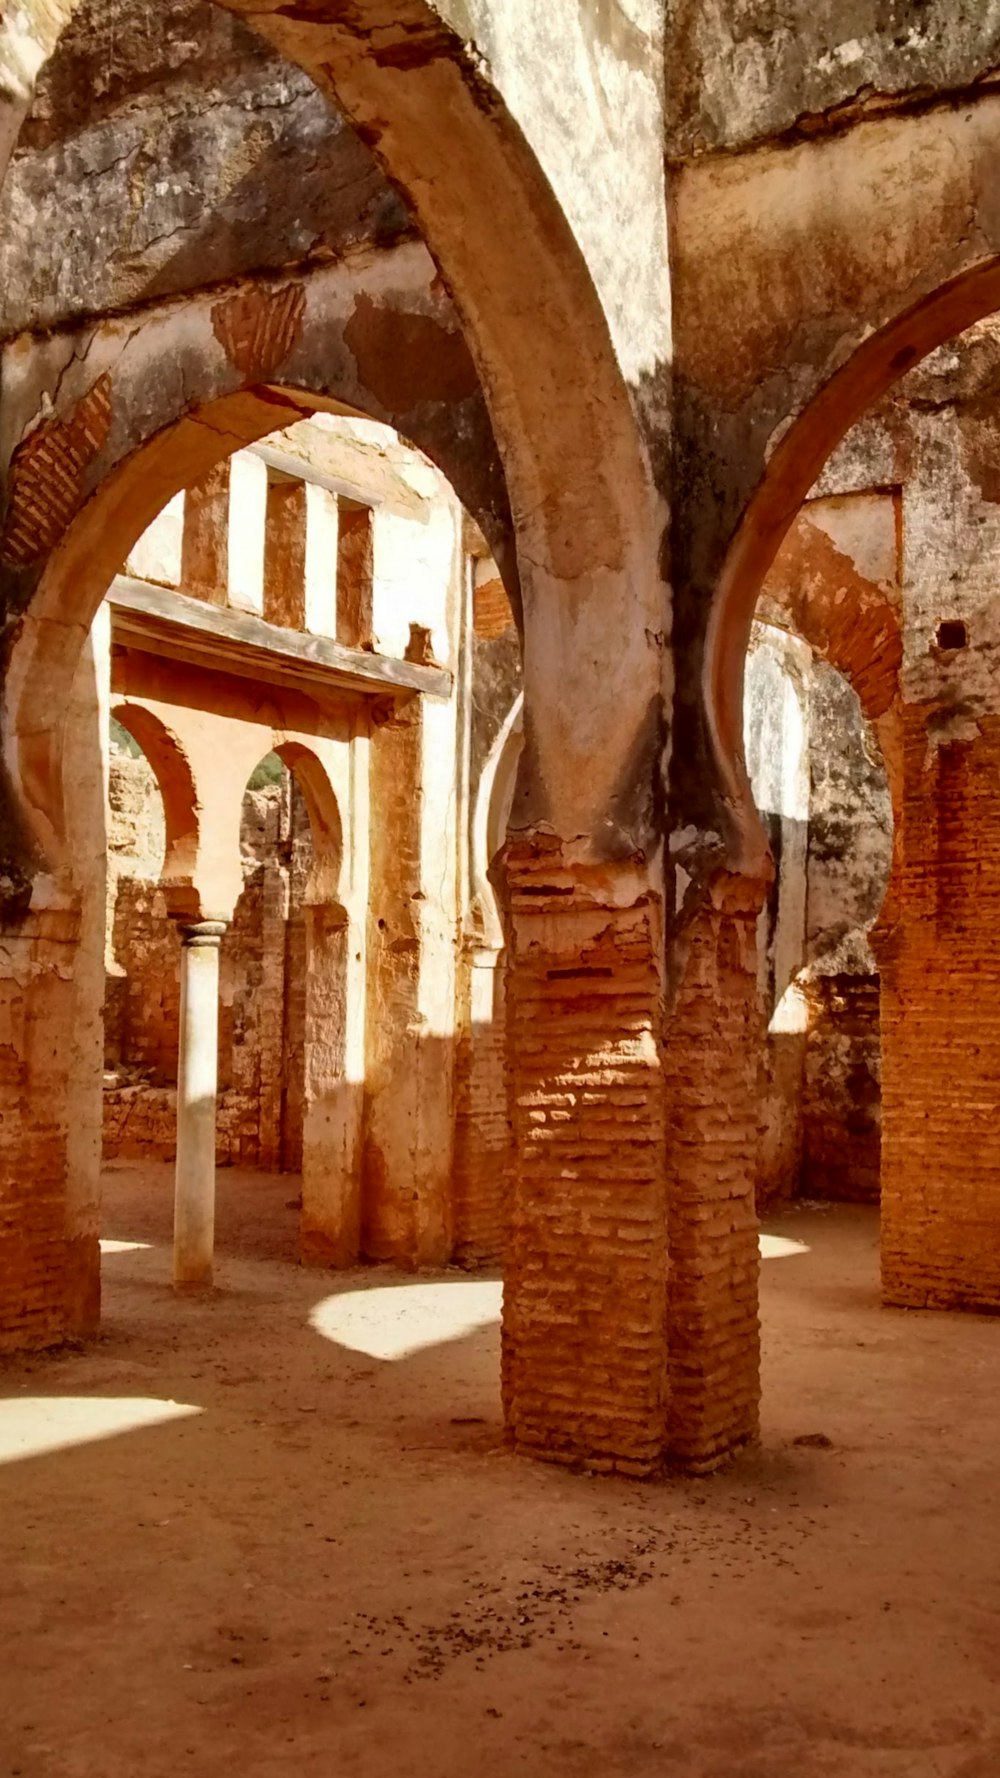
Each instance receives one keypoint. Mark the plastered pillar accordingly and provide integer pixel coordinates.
(409, 1113)
(197, 1092)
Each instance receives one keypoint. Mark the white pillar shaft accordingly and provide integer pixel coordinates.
(197, 1087)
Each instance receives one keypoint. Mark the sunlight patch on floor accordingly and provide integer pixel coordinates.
(32, 1425)
(125, 1246)
(395, 1321)
(780, 1247)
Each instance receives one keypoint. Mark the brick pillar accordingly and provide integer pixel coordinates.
(585, 1290)
(940, 977)
(713, 1041)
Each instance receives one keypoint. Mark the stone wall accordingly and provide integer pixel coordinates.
(850, 843)
(820, 783)
(261, 993)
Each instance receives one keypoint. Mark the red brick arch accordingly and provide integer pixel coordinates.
(792, 470)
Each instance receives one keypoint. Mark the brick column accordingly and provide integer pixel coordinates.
(713, 1040)
(585, 1290)
(940, 981)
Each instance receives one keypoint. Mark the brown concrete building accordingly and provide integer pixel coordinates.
(499, 792)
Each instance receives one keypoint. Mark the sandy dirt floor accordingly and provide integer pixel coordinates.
(276, 1531)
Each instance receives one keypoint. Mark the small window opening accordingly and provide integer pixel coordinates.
(952, 633)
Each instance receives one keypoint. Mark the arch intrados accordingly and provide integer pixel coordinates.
(80, 570)
(171, 768)
(420, 96)
(794, 466)
(325, 823)
(490, 819)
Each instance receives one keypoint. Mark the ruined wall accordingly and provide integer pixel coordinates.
(261, 987)
(820, 784)
(850, 846)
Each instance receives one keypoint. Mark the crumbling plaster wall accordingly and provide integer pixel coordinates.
(740, 71)
(936, 945)
(933, 446)
(167, 148)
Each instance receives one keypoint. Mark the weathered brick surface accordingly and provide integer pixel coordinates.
(257, 328)
(491, 610)
(47, 476)
(585, 1300)
(940, 971)
(712, 1042)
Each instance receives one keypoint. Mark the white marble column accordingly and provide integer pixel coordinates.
(197, 1087)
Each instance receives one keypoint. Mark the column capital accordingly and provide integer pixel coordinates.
(202, 932)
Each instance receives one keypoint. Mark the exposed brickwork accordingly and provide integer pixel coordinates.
(492, 616)
(257, 328)
(841, 1100)
(585, 1299)
(712, 1043)
(46, 484)
(852, 622)
(483, 1151)
(940, 971)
